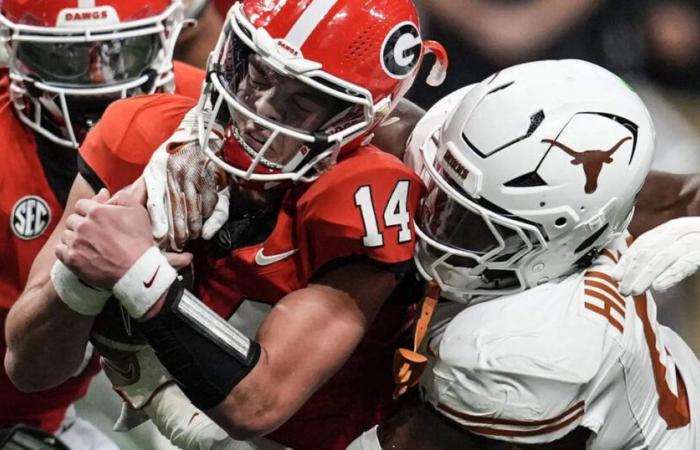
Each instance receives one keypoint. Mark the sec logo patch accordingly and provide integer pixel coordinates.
(401, 50)
(30, 217)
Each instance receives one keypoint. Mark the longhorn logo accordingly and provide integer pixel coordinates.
(592, 160)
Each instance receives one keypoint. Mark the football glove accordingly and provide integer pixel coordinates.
(183, 187)
(661, 257)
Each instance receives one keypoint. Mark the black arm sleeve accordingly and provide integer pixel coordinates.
(89, 175)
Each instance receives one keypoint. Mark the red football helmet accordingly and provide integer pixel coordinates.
(69, 59)
(302, 79)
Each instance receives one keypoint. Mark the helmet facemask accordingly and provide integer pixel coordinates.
(529, 177)
(285, 118)
(63, 78)
(467, 247)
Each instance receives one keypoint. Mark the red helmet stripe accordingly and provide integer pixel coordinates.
(308, 21)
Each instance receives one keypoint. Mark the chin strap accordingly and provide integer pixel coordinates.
(409, 364)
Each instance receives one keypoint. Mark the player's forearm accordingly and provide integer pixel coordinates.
(45, 340)
(304, 340)
(254, 408)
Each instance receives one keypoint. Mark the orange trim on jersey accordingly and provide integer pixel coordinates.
(524, 433)
(578, 409)
(610, 296)
(608, 290)
(607, 253)
(610, 303)
(602, 276)
(674, 409)
(510, 422)
(605, 313)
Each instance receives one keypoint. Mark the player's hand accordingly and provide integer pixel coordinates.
(135, 375)
(104, 238)
(661, 257)
(183, 187)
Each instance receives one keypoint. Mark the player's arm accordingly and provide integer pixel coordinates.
(393, 136)
(306, 338)
(46, 339)
(663, 197)
(248, 387)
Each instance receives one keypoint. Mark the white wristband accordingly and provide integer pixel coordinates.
(145, 282)
(77, 295)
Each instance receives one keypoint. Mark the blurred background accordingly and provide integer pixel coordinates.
(652, 44)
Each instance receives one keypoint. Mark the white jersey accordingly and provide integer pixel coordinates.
(532, 367)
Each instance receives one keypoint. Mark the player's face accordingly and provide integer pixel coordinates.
(282, 100)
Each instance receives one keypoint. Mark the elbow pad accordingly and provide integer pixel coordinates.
(206, 355)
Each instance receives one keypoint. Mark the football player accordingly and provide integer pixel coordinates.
(67, 61)
(520, 231)
(319, 234)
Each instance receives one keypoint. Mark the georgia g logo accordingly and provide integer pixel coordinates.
(401, 50)
(30, 217)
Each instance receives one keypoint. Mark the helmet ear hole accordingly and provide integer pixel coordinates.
(561, 222)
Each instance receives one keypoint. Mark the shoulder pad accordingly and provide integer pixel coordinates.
(519, 363)
(363, 206)
(121, 144)
(188, 80)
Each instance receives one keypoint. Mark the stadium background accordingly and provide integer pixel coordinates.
(653, 44)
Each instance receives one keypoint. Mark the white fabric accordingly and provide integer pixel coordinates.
(546, 361)
(661, 257)
(368, 441)
(522, 140)
(77, 433)
(144, 283)
(161, 187)
(219, 217)
(79, 297)
(138, 377)
(190, 429)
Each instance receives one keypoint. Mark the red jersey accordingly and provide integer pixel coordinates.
(29, 211)
(223, 6)
(361, 208)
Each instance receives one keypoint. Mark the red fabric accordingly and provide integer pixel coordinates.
(22, 175)
(188, 80)
(223, 6)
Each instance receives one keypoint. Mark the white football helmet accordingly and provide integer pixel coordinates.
(69, 59)
(533, 172)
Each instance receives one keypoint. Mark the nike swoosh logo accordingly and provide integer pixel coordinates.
(129, 374)
(262, 260)
(149, 283)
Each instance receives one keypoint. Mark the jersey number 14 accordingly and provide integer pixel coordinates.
(395, 214)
